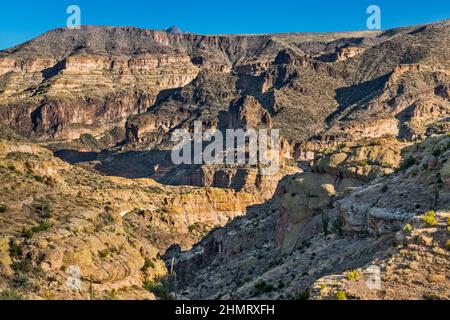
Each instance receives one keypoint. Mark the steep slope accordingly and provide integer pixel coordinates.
(55, 216)
(383, 223)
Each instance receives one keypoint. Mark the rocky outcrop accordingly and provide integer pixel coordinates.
(308, 199)
(363, 160)
(346, 53)
(304, 197)
(385, 206)
(248, 113)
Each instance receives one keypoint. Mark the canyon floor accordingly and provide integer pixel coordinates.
(92, 207)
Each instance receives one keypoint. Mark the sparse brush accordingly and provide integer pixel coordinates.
(303, 295)
(408, 228)
(354, 275)
(407, 163)
(430, 218)
(262, 287)
(341, 295)
(11, 295)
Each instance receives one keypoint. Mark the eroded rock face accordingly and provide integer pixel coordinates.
(83, 87)
(381, 207)
(363, 160)
(304, 197)
(248, 113)
(246, 179)
(110, 227)
(308, 199)
(348, 53)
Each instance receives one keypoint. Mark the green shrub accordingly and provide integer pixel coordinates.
(148, 264)
(103, 253)
(198, 229)
(408, 162)
(161, 288)
(39, 179)
(303, 295)
(337, 227)
(113, 295)
(353, 275)
(430, 218)
(23, 266)
(44, 225)
(42, 208)
(27, 233)
(408, 228)
(11, 295)
(437, 151)
(341, 295)
(15, 250)
(262, 287)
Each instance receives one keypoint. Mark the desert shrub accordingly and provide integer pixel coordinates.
(337, 227)
(88, 139)
(148, 264)
(23, 266)
(42, 208)
(437, 151)
(354, 275)
(15, 250)
(325, 222)
(22, 281)
(303, 295)
(27, 233)
(161, 288)
(262, 287)
(2, 208)
(11, 295)
(430, 218)
(39, 179)
(341, 295)
(407, 228)
(407, 163)
(103, 253)
(112, 295)
(42, 226)
(198, 229)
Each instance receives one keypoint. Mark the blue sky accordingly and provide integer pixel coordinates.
(23, 20)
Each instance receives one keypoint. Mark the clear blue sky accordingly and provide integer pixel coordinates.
(23, 20)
